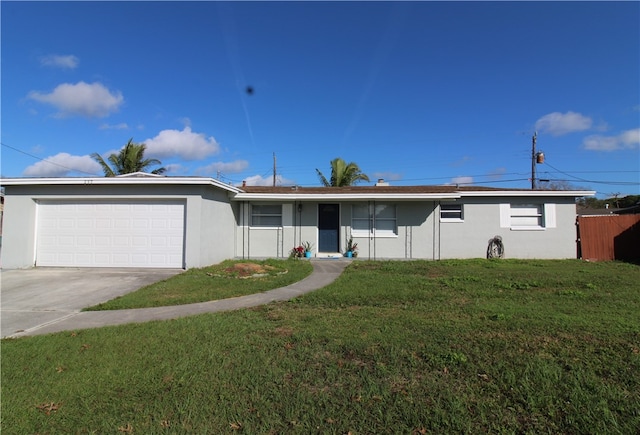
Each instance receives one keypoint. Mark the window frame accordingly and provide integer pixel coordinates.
(253, 215)
(452, 208)
(545, 214)
(372, 229)
(521, 214)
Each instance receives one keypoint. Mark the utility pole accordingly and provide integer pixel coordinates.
(274, 169)
(533, 160)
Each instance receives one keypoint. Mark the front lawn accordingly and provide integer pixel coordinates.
(228, 279)
(472, 347)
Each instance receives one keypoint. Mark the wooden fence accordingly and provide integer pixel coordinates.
(609, 237)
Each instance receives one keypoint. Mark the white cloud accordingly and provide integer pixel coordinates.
(174, 168)
(628, 139)
(462, 180)
(57, 61)
(259, 180)
(557, 123)
(185, 144)
(61, 165)
(223, 167)
(121, 126)
(83, 99)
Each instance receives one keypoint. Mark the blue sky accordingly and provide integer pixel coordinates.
(416, 92)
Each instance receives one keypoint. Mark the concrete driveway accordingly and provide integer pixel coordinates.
(33, 298)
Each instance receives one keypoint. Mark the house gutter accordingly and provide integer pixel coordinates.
(531, 193)
(297, 196)
(344, 197)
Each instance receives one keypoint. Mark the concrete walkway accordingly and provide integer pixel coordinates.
(325, 271)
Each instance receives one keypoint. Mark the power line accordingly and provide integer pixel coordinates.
(614, 183)
(45, 160)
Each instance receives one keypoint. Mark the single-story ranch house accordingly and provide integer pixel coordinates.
(143, 220)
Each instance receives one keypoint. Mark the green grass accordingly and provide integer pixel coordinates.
(390, 347)
(225, 280)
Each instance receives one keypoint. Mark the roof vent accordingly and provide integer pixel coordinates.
(381, 182)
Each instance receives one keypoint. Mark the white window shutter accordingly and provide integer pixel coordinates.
(505, 215)
(550, 215)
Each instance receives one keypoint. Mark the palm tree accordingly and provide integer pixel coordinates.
(130, 159)
(342, 174)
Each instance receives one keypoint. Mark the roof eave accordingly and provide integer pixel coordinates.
(529, 193)
(70, 181)
(343, 197)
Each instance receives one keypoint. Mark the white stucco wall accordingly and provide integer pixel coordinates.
(217, 229)
(470, 239)
(421, 234)
(18, 238)
(414, 237)
(266, 242)
(210, 227)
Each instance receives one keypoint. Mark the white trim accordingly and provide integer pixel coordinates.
(35, 231)
(529, 193)
(280, 215)
(454, 220)
(150, 181)
(549, 215)
(140, 174)
(374, 196)
(363, 234)
(329, 197)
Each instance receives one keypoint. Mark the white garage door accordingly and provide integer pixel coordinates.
(117, 233)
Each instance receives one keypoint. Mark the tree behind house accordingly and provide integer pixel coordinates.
(342, 174)
(130, 159)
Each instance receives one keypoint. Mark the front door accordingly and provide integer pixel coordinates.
(328, 228)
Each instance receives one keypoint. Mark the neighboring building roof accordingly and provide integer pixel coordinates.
(587, 211)
(140, 174)
(634, 209)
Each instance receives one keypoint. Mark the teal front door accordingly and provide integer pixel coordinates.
(328, 227)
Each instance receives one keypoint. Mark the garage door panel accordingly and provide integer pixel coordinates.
(84, 223)
(121, 241)
(84, 241)
(111, 234)
(121, 223)
(103, 223)
(83, 259)
(66, 241)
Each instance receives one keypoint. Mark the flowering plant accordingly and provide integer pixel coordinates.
(352, 247)
(297, 252)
